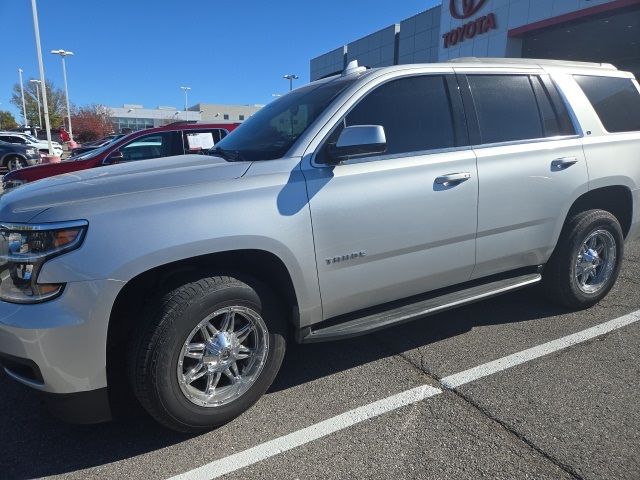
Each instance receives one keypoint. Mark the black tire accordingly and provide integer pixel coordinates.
(157, 343)
(559, 276)
(14, 158)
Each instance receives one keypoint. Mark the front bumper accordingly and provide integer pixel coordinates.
(33, 160)
(59, 346)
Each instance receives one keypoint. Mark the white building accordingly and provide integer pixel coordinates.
(137, 117)
(588, 30)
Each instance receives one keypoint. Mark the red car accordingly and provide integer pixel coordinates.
(174, 139)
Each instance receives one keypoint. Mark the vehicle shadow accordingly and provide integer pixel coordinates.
(305, 363)
(34, 444)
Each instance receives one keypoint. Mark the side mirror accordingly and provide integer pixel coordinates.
(358, 141)
(115, 157)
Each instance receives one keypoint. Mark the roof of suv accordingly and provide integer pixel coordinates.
(564, 66)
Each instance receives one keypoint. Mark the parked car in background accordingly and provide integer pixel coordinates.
(14, 156)
(31, 141)
(166, 141)
(87, 147)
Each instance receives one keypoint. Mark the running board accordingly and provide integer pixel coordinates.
(377, 321)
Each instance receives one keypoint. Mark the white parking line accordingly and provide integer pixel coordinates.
(296, 439)
(279, 445)
(453, 381)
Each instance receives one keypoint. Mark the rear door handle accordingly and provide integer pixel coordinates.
(451, 179)
(563, 163)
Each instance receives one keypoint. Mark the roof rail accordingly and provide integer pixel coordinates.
(533, 61)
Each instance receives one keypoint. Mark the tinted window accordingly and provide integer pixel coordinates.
(269, 133)
(553, 111)
(13, 139)
(507, 108)
(615, 100)
(157, 145)
(415, 113)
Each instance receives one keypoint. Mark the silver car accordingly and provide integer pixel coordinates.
(352, 204)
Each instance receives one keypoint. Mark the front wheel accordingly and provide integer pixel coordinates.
(14, 163)
(586, 261)
(208, 351)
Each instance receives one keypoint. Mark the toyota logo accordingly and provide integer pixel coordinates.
(469, 7)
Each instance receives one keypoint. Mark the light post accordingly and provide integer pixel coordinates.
(64, 53)
(291, 77)
(24, 109)
(186, 99)
(37, 83)
(36, 29)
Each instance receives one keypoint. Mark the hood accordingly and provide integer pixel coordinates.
(27, 201)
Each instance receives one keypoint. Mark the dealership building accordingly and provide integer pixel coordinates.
(137, 117)
(587, 30)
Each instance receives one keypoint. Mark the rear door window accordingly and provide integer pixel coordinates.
(507, 108)
(615, 100)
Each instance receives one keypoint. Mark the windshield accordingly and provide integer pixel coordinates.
(90, 154)
(271, 132)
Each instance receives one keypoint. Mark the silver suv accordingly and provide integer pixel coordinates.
(352, 204)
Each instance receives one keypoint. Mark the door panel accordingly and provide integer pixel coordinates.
(385, 230)
(523, 199)
(531, 167)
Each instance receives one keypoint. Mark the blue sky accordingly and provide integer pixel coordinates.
(141, 51)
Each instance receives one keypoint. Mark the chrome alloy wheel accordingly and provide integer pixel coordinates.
(223, 356)
(596, 261)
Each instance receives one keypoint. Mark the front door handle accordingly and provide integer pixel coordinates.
(563, 163)
(452, 179)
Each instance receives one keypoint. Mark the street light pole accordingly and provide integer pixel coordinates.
(291, 77)
(24, 109)
(64, 53)
(37, 83)
(36, 28)
(186, 99)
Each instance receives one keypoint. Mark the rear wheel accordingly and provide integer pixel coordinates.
(587, 260)
(15, 162)
(208, 351)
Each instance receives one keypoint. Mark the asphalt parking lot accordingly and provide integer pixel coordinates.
(569, 413)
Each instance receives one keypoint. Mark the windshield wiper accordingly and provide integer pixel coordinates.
(229, 155)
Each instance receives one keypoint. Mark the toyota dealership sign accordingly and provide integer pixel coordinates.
(462, 10)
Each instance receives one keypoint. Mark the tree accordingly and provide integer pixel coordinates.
(55, 101)
(7, 121)
(90, 123)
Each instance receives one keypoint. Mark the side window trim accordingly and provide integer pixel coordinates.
(557, 102)
(473, 126)
(458, 117)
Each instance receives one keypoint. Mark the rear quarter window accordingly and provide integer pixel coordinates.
(615, 100)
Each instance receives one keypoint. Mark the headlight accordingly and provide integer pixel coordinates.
(32, 151)
(24, 248)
